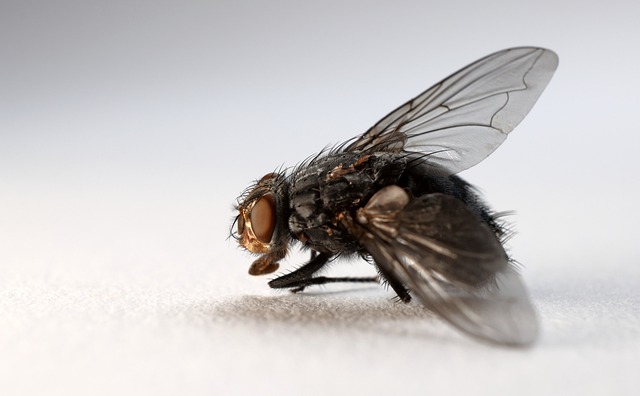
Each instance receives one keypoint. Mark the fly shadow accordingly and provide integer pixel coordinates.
(334, 312)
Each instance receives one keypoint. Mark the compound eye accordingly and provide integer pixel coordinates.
(263, 218)
(240, 221)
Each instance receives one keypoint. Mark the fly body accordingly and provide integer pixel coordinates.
(392, 196)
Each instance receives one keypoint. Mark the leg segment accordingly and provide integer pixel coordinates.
(299, 279)
(396, 285)
(302, 274)
(323, 280)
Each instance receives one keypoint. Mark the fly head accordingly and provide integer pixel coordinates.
(261, 226)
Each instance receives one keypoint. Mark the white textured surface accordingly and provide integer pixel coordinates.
(140, 319)
(74, 338)
(127, 128)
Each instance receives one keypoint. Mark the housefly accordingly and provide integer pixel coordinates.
(391, 195)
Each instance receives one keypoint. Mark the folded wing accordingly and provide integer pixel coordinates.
(451, 260)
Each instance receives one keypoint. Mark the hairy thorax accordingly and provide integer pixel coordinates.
(334, 184)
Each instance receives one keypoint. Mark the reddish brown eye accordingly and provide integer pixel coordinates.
(240, 224)
(263, 218)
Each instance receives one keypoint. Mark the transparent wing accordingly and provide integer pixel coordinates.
(451, 260)
(465, 117)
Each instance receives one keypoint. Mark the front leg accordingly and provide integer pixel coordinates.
(298, 277)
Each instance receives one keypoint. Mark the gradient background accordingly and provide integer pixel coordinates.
(128, 128)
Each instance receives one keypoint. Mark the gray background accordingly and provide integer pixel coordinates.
(128, 128)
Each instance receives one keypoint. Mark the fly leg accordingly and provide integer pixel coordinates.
(299, 279)
(302, 275)
(323, 280)
(396, 285)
